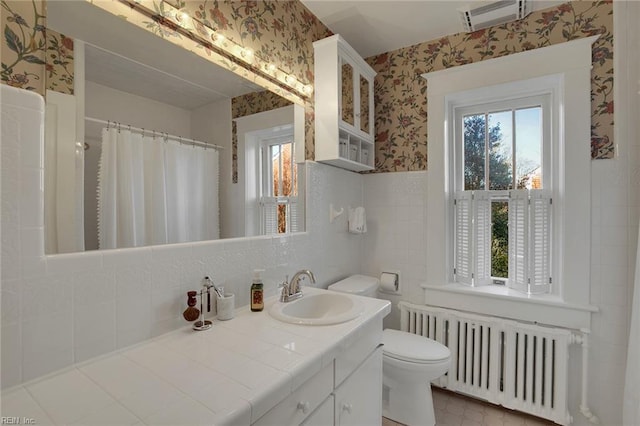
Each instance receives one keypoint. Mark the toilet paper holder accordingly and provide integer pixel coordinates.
(390, 282)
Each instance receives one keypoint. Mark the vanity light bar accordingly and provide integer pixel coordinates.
(181, 18)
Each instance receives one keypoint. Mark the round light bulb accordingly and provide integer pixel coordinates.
(183, 19)
(290, 80)
(247, 53)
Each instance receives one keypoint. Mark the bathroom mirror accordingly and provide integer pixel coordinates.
(153, 87)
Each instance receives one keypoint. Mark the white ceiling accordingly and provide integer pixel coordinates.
(377, 26)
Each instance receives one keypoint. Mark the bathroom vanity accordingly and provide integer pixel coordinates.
(252, 369)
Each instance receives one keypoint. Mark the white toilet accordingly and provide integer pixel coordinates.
(409, 364)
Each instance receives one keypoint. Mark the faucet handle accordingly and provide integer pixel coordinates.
(284, 294)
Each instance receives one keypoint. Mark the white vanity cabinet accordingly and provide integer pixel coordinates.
(354, 397)
(347, 391)
(302, 402)
(323, 415)
(344, 106)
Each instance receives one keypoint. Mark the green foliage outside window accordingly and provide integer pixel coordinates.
(501, 178)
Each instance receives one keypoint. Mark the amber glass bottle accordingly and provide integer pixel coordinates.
(257, 292)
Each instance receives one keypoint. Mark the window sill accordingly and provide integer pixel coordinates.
(503, 302)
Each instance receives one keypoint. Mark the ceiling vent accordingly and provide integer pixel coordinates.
(478, 16)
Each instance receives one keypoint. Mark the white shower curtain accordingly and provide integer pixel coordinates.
(152, 191)
(631, 400)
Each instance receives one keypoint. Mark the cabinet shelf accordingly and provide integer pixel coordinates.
(344, 105)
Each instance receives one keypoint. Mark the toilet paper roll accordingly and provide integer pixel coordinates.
(389, 282)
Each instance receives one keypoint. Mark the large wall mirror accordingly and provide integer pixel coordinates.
(141, 169)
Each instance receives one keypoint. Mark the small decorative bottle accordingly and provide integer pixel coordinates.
(257, 292)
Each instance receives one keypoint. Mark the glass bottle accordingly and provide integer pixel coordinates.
(257, 292)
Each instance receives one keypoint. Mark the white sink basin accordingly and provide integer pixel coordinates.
(318, 309)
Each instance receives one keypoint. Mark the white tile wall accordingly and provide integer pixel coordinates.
(395, 204)
(395, 213)
(62, 309)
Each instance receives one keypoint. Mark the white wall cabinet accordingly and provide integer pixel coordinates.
(344, 106)
(348, 391)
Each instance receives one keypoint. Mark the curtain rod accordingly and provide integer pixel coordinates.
(180, 139)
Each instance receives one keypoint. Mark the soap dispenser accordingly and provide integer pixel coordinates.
(257, 292)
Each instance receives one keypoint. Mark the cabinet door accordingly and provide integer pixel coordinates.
(364, 108)
(359, 398)
(347, 102)
(301, 403)
(323, 416)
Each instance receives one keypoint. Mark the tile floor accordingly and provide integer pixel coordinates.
(458, 410)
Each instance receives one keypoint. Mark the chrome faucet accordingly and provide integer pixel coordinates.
(291, 290)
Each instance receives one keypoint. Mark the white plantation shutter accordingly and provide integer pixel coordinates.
(463, 262)
(482, 237)
(530, 240)
(540, 241)
(518, 236)
(269, 213)
(473, 237)
(293, 217)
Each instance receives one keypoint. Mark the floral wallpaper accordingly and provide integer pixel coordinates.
(59, 63)
(251, 103)
(282, 32)
(400, 91)
(23, 45)
(34, 57)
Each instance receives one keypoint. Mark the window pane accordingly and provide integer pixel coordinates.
(474, 151)
(501, 152)
(529, 148)
(500, 239)
(275, 166)
(287, 173)
(347, 94)
(282, 218)
(294, 176)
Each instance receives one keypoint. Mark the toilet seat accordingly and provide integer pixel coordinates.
(413, 348)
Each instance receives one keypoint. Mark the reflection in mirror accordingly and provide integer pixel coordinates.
(346, 78)
(364, 104)
(148, 114)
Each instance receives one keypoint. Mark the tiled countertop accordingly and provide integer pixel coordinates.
(231, 374)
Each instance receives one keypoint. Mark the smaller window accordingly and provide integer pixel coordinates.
(279, 186)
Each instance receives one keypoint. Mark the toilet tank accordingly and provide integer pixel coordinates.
(360, 285)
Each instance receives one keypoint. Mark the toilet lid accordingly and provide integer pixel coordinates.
(413, 348)
(355, 284)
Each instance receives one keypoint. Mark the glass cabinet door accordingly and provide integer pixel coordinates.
(364, 105)
(348, 105)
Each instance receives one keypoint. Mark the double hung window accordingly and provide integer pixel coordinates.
(279, 186)
(502, 190)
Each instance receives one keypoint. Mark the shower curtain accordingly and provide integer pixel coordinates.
(631, 400)
(155, 191)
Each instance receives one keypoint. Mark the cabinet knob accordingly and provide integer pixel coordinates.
(303, 406)
(347, 407)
